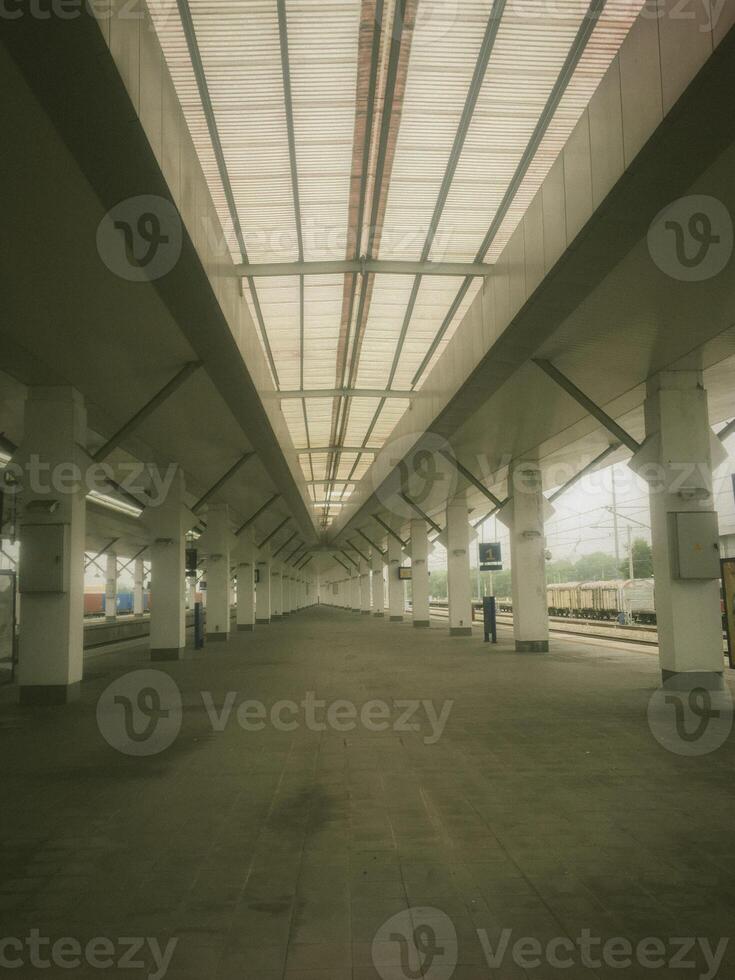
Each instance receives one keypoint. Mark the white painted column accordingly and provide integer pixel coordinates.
(378, 584)
(168, 606)
(420, 573)
(276, 590)
(676, 460)
(245, 558)
(218, 572)
(355, 591)
(365, 598)
(523, 515)
(111, 586)
(396, 586)
(52, 540)
(263, 588)
(138, 597)
(286, 583)
(459, 589)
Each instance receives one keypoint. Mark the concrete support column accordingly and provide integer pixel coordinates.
(676, 460)
(168, 568)
(138, 597)
(458, 567)
(111, 586)
(365, 597)
(276, 590)
(420, 573)
(245, 558)
(286, 583)
(263, 589)
(52, 539)
(396, 587)
(378, 584)
(524, 517)
(355, 591)
(218, 572)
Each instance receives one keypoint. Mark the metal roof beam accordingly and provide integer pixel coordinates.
(298, 548)
(372, 544)
(364, 266)
(390, 530)
(273, 533)
(349, 558)
(586, 402)
(579, 45)
(470, 477)
(150, 406)
(337, 449)
(584, 471)
(360, 553)
(285, 544)
(340, 562)
(235, 468)
(414, 506)
(257, 513)
(344, 392)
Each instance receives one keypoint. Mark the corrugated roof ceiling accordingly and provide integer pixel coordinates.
(459, 111)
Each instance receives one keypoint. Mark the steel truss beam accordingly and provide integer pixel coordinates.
(471, 478)
(579, 45)
(414, 506)
(235, 468)
(340, 562)
(360, 553)
(130, 562)
(349, 558)
(586, 402)
(344, 393)
(256, 515)
(150, 406)
(285, 544)
(273, 533)
(389, 529)
(584, 471)
(371, 543)
(298, 548)
(363, 266)
(337, 449)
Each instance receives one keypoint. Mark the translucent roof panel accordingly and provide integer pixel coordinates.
(275, 94)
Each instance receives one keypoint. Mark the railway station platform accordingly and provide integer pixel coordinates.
(501, 791)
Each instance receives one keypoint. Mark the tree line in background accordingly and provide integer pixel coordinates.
(596, 567)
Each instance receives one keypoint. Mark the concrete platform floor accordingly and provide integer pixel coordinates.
(544, 806)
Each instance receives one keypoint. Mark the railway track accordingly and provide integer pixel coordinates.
(599, 629)
(595, 628)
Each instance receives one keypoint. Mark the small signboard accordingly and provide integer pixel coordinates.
(491, 557)
(728, 602)
(405, 573)
(191, 561)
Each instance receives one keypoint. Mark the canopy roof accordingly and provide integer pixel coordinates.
(397, 130)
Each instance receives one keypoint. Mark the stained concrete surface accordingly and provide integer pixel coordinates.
(545, 806)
